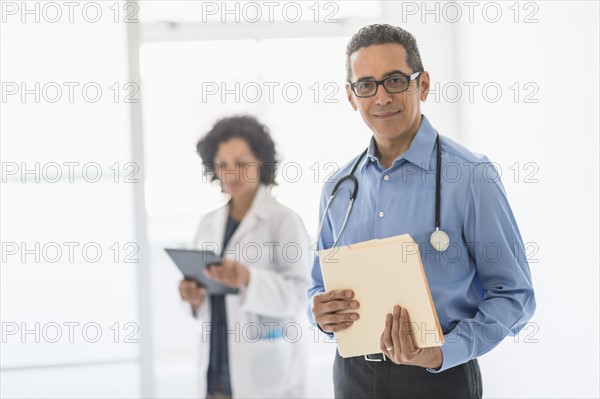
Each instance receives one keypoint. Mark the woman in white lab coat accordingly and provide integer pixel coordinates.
(250, 343)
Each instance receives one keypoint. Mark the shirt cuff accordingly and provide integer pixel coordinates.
(331, 335)
(453, 354)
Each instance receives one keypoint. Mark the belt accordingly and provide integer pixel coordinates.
(375, 357)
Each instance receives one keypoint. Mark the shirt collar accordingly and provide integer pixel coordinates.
(418, 153)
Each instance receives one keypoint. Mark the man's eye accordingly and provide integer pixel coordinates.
(365, 85)
(397, 81)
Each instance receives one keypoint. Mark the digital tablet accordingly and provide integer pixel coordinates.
(192, 263)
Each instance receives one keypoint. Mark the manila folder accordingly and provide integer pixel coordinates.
(382, 273)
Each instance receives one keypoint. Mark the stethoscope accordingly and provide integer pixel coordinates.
(438, 240)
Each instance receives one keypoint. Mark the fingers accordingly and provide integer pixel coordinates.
(226, 273)
(404, 351)
(406, 333)
(333, 295)
(336, 318)
(335, 306)
(219, 271)
(332, 303)
(191, 292)
(213, 273)
(227, 263)
(187, 284)
(396, 332)
(331, 310)
(385, 342)
(187, 288)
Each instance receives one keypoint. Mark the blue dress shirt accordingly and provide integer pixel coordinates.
(481, 285)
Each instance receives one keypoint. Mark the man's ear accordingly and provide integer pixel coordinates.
(350, 97)
(424, 89)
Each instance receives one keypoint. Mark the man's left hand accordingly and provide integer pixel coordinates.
(396, 343)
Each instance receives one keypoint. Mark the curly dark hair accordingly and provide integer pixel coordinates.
(245, 127)
(371, 35)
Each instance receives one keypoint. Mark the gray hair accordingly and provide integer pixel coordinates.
(375, 34)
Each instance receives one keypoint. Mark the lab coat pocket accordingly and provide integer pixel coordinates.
(272, 364)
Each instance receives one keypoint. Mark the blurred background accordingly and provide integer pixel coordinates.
(102, 105)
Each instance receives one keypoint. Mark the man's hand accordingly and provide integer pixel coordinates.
(192, 293)
(330, 310)
(230, 273)
(396, 343)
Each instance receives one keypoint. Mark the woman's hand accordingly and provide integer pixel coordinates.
(230, 273)
(192, 293)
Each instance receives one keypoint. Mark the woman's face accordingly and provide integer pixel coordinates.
(237, 168)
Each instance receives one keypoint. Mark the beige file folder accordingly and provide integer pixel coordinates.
(382, 273)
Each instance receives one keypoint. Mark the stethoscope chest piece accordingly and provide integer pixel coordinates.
(439, 240)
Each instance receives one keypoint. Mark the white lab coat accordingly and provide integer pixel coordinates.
(267, 242)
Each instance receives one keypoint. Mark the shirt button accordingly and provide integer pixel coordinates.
(381, 214)
(386, 177)
(372, 159)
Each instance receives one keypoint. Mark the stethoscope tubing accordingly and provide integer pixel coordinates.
(354, 193)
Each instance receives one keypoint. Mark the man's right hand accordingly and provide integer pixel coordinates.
(191, 292)
(330, 310)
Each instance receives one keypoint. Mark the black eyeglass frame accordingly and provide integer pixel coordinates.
(382, 83)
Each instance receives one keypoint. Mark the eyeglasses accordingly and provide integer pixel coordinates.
(393, 84)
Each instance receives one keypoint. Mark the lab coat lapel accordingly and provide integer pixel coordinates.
(213, 232)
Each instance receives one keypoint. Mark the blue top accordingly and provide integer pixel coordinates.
(481, 285)
(217, 376)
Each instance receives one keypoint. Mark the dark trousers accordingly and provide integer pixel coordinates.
(356, 377)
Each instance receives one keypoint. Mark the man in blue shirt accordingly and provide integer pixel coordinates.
(481, 284)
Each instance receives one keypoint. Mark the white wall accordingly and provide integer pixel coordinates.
(44, 130)
(557, 354)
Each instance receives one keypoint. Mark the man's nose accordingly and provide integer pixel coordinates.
(382, 97)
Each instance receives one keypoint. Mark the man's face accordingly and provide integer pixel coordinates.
(391, 117)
